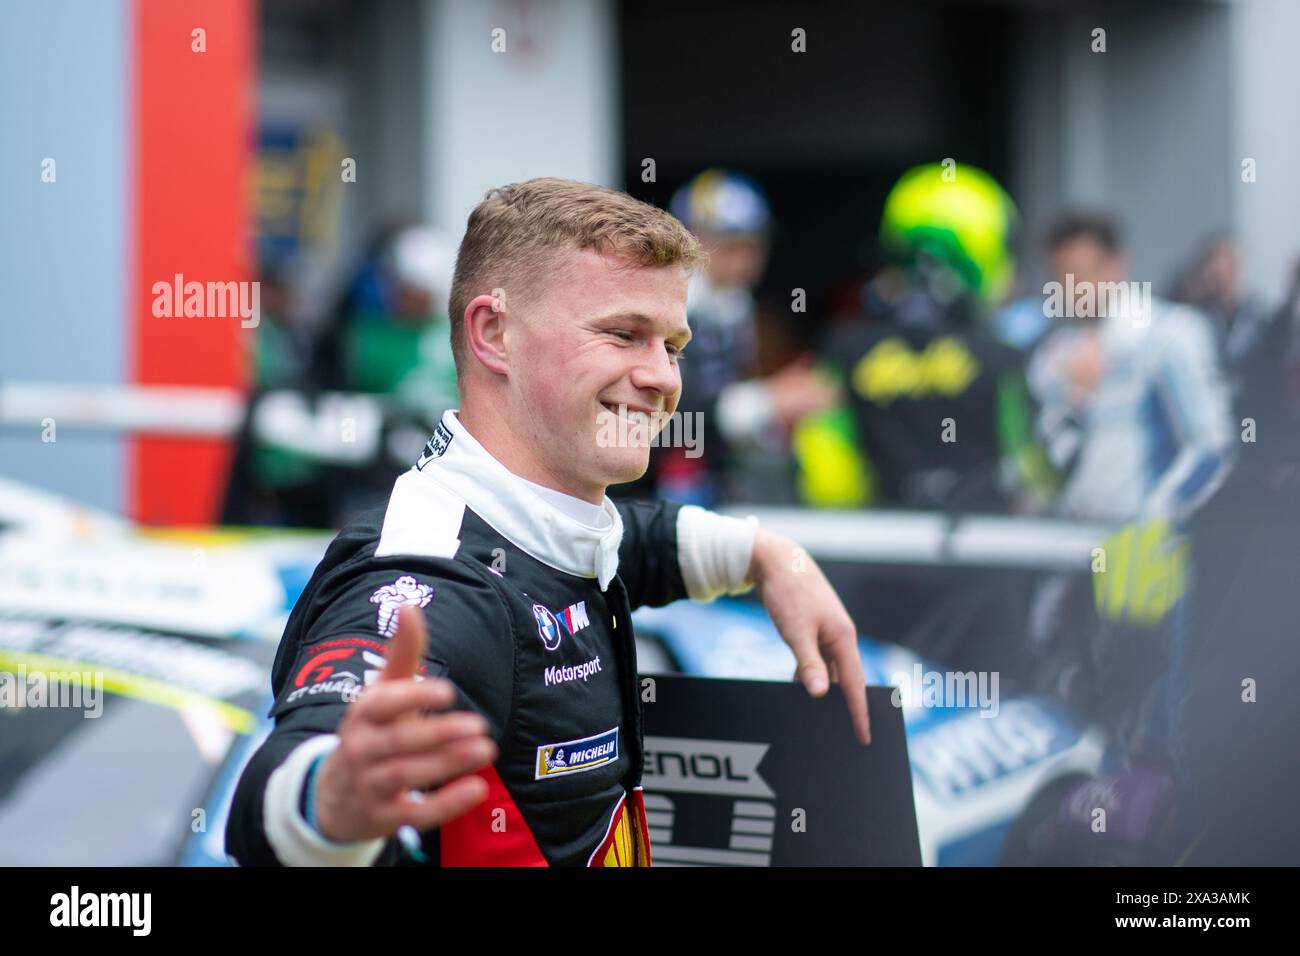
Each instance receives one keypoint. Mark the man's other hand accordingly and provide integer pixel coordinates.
(813, 621)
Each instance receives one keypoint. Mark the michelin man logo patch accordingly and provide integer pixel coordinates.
(405, 590)
(435, 446)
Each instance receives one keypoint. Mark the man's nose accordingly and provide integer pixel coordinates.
(657, 371)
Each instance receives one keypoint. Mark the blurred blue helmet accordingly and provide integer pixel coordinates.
(718, 200)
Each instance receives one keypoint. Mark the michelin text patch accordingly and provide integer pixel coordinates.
(575, 756)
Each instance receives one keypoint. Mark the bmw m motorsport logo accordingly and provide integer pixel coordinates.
(548, 623)
(575, 617)
(575, 756)
(548, 628)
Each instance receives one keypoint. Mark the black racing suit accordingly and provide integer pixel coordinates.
(940, 407)
(533, 644)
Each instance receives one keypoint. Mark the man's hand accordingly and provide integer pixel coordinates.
(799, 390)
(813, 621)
(1084, 368)
(388, 747)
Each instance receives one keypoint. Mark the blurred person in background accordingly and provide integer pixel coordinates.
(344, 416)
(739, 414)
(1255, 344)
(1189, 666)
(936, 411)
(390, 335)
(1211, 282)
(271, 483)
(1136, 411)
(1239, 756)
(1134, 402)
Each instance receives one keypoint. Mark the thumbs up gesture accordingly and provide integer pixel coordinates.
(398, 736)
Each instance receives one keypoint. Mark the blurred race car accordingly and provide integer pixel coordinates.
(134, 679)
(139, 767)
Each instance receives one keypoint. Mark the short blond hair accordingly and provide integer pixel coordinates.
(517, 229)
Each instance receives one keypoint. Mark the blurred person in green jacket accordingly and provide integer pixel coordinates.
(332, 421)
(392, 332)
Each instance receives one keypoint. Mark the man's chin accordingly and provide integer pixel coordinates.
(624, 468)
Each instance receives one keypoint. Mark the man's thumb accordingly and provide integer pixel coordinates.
(811, 672)
(407, 648)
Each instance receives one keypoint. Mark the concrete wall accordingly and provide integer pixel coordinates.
(1144, 129)
(64, 94)
(1266, 128)
(547, 106)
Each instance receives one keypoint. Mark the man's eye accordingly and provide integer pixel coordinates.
(622, 334)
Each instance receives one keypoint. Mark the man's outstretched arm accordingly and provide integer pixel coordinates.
(813, 620)
(334, 780)
(674, 551)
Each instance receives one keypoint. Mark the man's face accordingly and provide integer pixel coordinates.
(735, 261)
(595, 349)
(1088, 261)
(1221, 272)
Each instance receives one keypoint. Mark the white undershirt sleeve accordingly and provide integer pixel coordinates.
(294, 841)
(714, 552)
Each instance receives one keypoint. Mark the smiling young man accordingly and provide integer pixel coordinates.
(510, 733)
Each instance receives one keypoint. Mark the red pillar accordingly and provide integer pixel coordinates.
(193, 144)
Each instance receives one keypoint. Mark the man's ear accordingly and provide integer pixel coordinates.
(485, 332)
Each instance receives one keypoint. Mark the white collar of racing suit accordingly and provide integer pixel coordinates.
(548, 525)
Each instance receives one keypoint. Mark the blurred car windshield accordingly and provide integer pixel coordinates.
(111, 772)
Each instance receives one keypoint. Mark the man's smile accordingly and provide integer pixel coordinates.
(639, 414)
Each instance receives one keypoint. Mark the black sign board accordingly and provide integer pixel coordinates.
(757, 773)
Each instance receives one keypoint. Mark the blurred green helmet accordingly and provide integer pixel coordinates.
(957, 215)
